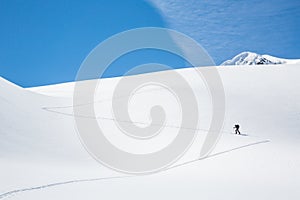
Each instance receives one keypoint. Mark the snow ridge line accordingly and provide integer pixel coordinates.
(14, 192)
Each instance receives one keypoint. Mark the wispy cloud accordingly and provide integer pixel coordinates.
(225, 28)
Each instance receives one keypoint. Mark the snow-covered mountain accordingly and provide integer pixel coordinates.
(250, 58)
(41, 156)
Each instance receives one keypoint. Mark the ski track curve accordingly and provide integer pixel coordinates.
(41, 187)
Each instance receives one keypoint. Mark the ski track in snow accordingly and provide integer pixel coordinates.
(13, 192)
(50, 109)
(17, 191)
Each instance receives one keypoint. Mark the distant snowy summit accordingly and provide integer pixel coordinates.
(250, 58)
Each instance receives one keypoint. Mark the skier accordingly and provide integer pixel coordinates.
(237, 127)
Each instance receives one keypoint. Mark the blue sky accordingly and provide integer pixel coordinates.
(227, 27)
(44, 42)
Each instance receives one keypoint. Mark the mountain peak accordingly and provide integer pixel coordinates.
(251, 58)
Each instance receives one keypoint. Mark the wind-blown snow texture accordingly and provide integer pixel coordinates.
(41, 156)
(250, 58)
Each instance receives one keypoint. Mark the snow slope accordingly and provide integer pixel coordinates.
(41, 156)
(250, 58)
